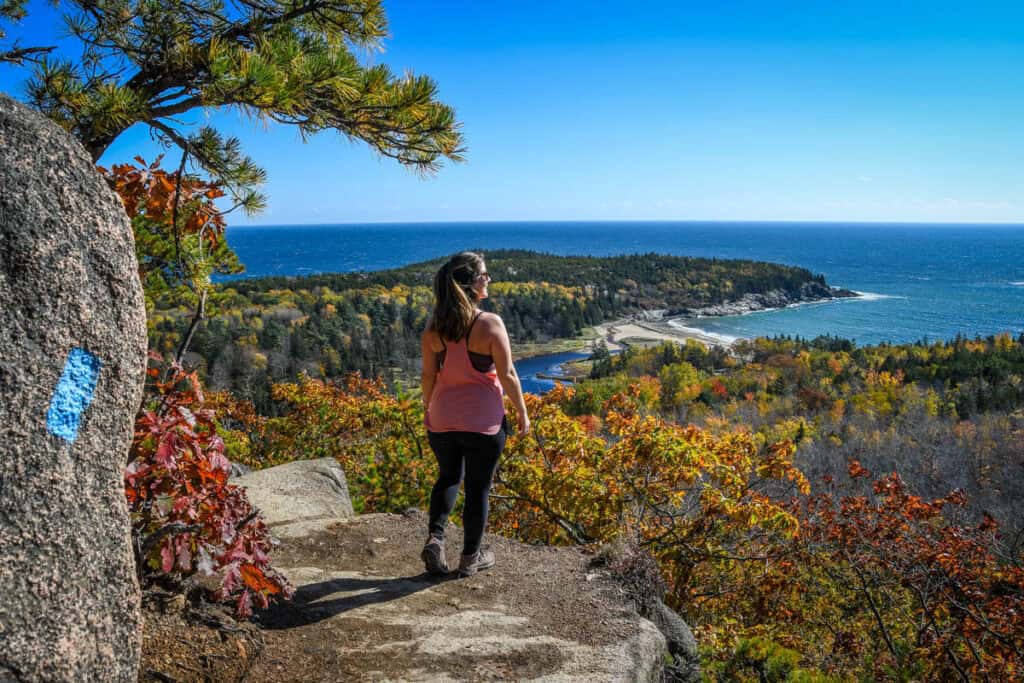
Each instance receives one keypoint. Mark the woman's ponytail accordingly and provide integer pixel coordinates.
(454, 299)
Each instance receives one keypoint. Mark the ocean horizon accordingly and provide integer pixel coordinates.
(921, 281)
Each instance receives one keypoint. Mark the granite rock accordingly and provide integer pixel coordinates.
(72, 365)
(682, 646)
(299, 497)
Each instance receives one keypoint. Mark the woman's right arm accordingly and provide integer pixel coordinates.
(501, 351)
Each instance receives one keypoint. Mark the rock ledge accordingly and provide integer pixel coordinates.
(364, 610)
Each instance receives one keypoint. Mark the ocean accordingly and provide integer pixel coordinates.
(921, 282)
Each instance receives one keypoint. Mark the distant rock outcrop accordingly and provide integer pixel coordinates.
(72, 362)
(809, 292)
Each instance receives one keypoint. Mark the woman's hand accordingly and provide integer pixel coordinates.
(524, 424)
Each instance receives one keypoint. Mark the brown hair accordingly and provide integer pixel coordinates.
(454, 298)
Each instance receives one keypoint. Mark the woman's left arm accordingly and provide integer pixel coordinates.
(429, 373)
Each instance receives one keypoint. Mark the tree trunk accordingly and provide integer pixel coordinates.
(97, 145)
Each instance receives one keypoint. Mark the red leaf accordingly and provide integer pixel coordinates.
(255, 579)
(165, 451)
(167, 557)
(244, 608)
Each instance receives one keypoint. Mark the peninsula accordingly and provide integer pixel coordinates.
(267, 330)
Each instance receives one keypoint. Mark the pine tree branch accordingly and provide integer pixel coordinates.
(182, 91)
(288, 62)
(20, 55)
(174, 109)
(265, 24)
(176, 137)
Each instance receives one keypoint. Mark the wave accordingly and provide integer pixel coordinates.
(724, 338)
(872, 296)
(1018, 283)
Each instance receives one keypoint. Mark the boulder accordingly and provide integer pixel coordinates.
(299, 497)
(682, 646)
(639, 577)
(72, 365)
(239, 470)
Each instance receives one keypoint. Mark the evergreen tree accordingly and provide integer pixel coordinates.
(278, 61)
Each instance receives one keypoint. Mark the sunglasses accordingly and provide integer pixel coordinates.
(484, 275)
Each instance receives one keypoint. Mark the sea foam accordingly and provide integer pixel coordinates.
(724, 338)
(872, 296)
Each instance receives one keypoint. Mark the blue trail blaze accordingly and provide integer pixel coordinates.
(73, 394)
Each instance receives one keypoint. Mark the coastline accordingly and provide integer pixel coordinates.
(617, 335)
(624, 332)
(654, 327)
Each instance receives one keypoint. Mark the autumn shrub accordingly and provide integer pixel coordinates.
(928, 594)
(376, 436)
(178, 230)
(776, 583)
(691, 498)
(186, 518)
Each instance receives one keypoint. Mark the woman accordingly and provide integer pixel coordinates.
(467, 362)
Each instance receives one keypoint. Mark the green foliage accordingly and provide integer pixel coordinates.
(620, 283)
(13, 10)
(589, 397)
(277, 62)
(637, 362)
(764, 661)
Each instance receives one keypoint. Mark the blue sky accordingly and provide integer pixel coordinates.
(870, 111)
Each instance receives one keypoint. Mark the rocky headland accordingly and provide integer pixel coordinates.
(809, 292)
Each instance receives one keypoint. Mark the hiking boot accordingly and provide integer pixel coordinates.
(433, 556)
(478, 561)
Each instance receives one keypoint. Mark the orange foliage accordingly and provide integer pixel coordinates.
(689, 496)
(151, 191)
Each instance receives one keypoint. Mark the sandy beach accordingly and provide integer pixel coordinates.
(652, 329)
(639, 331)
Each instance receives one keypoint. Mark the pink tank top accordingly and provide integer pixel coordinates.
(465, 399)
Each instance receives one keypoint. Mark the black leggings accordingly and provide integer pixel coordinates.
(476, 455)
